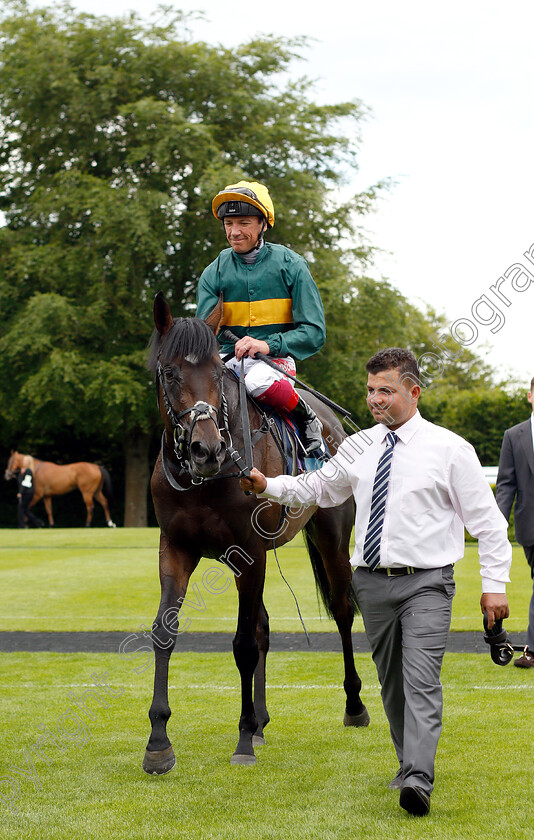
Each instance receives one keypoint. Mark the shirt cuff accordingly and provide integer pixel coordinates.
(275, 342)
(490, 585)
(272, 491)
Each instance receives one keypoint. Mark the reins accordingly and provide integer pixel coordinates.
(205, 411)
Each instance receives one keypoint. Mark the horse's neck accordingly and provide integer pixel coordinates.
(233, 401)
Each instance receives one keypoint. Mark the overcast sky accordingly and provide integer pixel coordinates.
(450, 90)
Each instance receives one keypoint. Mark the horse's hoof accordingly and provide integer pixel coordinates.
(258, 740)
(159, 762)
(362, 719)
(243, 759)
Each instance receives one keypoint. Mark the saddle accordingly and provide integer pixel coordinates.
(286, 436)
(290, 445)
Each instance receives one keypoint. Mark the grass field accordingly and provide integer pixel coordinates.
(314, 780)
(101, 579)
(70, 767)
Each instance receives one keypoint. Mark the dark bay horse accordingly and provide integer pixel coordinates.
(49, 479)
(201, 517)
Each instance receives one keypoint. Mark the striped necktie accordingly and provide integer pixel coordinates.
(371, 546)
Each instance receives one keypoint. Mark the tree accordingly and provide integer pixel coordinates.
(114, 136)
(480, 415)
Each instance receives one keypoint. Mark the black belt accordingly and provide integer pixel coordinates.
(396, 571)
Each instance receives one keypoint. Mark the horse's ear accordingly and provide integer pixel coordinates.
(162, 314)
(214, 319)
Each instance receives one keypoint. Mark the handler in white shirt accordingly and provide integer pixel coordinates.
(436, 486)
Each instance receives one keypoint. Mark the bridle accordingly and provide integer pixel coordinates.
(501, 648)
(182, 435)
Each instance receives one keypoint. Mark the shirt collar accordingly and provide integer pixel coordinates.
(405, 432)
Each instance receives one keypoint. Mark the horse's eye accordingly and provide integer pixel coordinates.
(171, 375)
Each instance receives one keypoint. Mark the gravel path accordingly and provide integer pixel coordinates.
(97, 642)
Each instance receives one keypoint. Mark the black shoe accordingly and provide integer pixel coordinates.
(309, 426)
(415, 800)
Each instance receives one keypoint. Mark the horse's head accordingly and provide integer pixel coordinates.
(13, 465)
(189, 373)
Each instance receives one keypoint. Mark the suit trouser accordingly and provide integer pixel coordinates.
(407, 620)
(529, 554)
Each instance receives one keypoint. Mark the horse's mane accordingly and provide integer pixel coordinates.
(188, 337)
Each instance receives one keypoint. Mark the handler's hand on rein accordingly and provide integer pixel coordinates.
(496, 606)
(256, 483)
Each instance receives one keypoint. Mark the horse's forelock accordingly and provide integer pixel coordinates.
(188, 338)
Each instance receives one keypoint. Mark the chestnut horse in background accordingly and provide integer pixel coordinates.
(49, 479)
(202, 512)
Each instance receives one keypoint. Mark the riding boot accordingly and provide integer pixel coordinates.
(309, 426)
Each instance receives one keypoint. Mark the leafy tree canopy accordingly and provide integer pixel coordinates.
(115, 134)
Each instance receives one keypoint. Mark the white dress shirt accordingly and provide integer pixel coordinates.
(436, 486)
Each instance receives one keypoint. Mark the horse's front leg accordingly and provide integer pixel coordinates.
(246, 655)
(176, 568)
(260, 700)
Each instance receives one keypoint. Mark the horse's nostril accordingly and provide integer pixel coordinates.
(199, 451)
(202, 453)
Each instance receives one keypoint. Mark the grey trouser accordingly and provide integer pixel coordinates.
(407, 622)
(529, 554)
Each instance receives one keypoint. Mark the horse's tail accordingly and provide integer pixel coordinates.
(107, 488)
(319, 572)
(321, 578)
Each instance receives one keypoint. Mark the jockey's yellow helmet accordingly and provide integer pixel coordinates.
(246, 198)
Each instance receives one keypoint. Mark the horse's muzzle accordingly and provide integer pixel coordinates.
(207, 459)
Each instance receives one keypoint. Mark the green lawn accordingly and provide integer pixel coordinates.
(100, 579)
(314, 778)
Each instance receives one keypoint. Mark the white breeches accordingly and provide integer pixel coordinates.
(258, 376)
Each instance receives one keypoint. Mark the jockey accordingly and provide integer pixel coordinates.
(270, 301)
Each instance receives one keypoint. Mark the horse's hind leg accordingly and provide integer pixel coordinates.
(48, 507)
(101, 499)
(260, 703)
(328, 535)
(175, 570)
(89, 504)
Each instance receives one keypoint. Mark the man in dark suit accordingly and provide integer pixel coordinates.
(516, 480)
